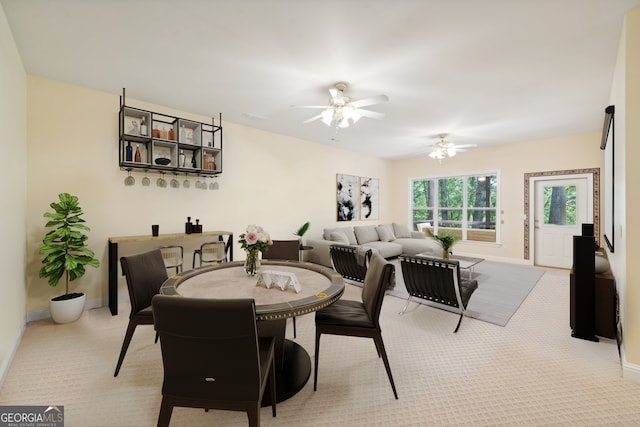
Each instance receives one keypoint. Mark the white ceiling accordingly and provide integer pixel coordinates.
(484, 71)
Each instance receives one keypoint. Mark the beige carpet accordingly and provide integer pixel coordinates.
(530, 372)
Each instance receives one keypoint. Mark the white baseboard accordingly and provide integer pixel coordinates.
(630, 371)
(8, 360)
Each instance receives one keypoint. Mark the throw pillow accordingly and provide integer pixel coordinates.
(338, 237)
(385, 234)
(365, 234)
(401, 231)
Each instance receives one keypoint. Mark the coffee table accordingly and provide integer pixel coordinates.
(466, 262)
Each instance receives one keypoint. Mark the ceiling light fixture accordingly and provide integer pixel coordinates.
(444, 149)
(340, 113)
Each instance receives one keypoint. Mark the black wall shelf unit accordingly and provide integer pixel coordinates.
(159, 142)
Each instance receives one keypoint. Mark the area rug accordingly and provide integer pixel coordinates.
(501, 290)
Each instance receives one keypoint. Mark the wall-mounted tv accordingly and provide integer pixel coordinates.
(607, 144)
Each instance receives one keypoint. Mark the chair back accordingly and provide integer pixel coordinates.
(350, 261)
(379, 276)
(283, 249)
(145, 274)
(213, 252)
(434, 279)
(209, 347)
(173, 256)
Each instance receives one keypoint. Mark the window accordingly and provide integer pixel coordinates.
(463, 205)
(560, 205)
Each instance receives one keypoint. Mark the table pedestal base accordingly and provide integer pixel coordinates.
(294, 374)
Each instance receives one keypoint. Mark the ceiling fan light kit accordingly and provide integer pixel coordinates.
(444, 149)
(342, 112)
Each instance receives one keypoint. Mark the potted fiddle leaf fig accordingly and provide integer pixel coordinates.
(66, 254)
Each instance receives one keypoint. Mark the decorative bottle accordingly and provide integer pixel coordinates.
(181, 160)
(194, 163)
(143, 126)
(138, 157)
(213, 163)
(129, 152)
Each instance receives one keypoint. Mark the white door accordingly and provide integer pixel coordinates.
(561, 206)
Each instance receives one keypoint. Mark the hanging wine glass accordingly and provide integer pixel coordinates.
(129, 180)
(146, 181)
(198, 183)
(161, 181)
(186, 183)
(174, 182)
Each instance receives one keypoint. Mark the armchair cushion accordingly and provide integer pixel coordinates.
(348, 231)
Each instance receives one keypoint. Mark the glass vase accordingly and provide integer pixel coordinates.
(445, 253)
(252, 262)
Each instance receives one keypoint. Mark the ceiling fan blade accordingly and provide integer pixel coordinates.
(370, 101)
(370, 114)
(313, 118)
(465, 146)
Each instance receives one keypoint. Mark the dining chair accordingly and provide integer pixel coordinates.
(359, 319)
(173, 257)
(212, 356)
(288, 250)
(210, 252)
(145, 274)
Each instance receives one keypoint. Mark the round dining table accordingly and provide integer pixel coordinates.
(319, 287)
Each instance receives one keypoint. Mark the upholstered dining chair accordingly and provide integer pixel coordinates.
(210, 252)
(145, 274)
(212, 356)
(359, 319)
(288, 250)
(173, 257)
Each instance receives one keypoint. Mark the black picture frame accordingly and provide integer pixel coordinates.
(607, 144)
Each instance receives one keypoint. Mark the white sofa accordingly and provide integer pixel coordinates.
(389, 240)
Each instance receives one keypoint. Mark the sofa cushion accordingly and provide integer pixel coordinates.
(338, 237)
(365, 234)
(401, 231)
(348, 231)
(385, 234)
(420, 246)
(386, 249)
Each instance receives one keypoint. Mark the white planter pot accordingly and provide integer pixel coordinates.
(67, 310)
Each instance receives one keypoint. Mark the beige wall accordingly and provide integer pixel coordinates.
(629, 228)
(511, 162)
(13, 193)
(268, 179)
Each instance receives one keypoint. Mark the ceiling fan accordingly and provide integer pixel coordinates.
(444, 149)
(342, 112)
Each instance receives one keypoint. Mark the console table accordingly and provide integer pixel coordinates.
(113, 255)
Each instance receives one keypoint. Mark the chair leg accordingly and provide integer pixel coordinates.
(380, 345)
(156, 341)
(316, 357)
(459, 321)
(166, 408)
(404, 309)
(272, 384)
(125, 345)
(253, 413)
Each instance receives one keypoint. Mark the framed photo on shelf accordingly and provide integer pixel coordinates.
(131, 125)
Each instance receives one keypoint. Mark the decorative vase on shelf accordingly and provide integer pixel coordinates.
(445, 253)
(252, 262)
